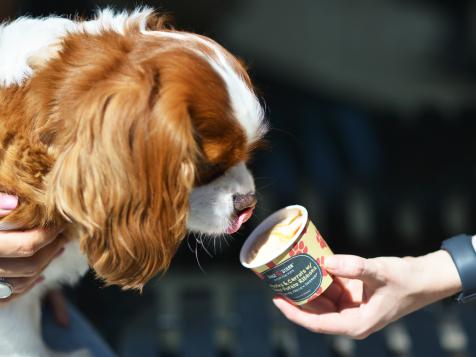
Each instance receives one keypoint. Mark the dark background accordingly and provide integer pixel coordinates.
(372, 112)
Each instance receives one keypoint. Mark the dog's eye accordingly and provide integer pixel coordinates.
(214, 167)
(208, 172)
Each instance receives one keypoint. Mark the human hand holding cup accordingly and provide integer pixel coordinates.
(287, 251)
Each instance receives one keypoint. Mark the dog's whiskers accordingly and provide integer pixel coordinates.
(195, 251)
(215, 245)
(226, 240)
(200, 241)
(188, 244)
(198, 261)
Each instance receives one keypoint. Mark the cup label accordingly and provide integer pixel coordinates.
(297, 278)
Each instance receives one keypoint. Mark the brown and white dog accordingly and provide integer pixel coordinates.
(126, 134)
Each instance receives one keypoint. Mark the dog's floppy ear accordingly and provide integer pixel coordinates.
(126, 175)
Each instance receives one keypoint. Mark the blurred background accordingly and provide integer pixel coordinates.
(372, 111)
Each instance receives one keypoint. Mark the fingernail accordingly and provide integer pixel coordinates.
(8, 202)
(40, 279)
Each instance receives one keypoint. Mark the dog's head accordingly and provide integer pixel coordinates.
(159, 127)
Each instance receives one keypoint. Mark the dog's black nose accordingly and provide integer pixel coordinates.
(242, 202)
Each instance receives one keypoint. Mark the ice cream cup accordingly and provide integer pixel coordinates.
(295, 270)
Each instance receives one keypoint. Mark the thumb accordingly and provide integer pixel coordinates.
(352, 267)
(7, 203)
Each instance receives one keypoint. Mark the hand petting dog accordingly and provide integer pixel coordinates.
(25, 254)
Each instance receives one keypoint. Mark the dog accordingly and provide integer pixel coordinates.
(124, 133)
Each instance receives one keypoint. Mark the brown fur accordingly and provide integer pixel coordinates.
(108, 138)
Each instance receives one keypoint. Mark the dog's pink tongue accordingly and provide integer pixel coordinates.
(238, 221)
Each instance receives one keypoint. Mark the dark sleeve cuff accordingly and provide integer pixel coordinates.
(463, 254)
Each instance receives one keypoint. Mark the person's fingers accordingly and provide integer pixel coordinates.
(22, 285)
(7, 203)
(329, 323)
(35, 282)
(58, 305)
(353, 267)
(17, 244)
(4, 212)
(334, 291)
(320, 305)
(31, 266)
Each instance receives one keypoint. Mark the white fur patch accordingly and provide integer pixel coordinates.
(211, 206)
(22, 38)
(246, 107)
(108, 19)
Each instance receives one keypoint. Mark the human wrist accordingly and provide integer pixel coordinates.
(462, 249)
(435, 276)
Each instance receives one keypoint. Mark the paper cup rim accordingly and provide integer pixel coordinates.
(266, 224)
